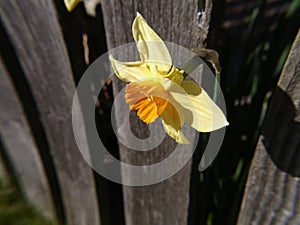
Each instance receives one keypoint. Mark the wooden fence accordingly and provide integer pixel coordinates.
(44, 61)
(42, 151)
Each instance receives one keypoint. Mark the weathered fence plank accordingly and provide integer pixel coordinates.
(21, 148)
(4, 176)
(272, 194)
(35, 34)
(166, 202)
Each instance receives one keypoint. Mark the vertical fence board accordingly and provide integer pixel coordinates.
(272, 194)
(4, 173)
(35, 34)
(166, 202)
(21, 148)
(4, 176)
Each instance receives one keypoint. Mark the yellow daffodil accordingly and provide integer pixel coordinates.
(156, 88)
(89, 5)
(71, 4)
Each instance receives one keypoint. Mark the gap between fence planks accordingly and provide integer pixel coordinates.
(35, 34)
(21, 149)
(165, 203)
(272, 194)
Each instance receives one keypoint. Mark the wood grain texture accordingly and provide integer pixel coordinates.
(4, 176)
(272, 194)
(4, 171)
(21, 149)
(164, 203)
(35, 34)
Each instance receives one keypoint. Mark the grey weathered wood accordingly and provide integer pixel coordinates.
(164, 203)
(4, 173)
(36, 36)
(4, 176)
(21, 148)
(272, 194)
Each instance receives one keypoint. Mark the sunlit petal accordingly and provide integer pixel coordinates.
(130, 71)
(71, 4)
(199, 110)
(191, 87)
(173, 122)
(150, 45)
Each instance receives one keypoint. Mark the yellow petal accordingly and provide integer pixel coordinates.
(150, 46)
(71, 4)
(130, 71)
(191, 87)
(199, 110)
(172, 122)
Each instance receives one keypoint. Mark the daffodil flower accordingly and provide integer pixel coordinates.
(89, 5)
(156, 88)
(71, 4)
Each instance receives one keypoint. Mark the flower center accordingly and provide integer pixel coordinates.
(149, 98)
